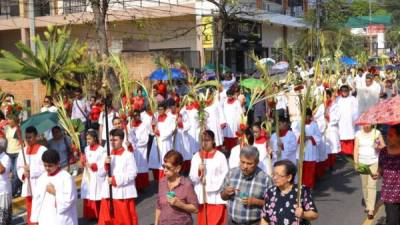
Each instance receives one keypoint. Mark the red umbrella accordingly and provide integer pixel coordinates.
(385, 112)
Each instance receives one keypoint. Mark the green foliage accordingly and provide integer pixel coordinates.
(57, 60)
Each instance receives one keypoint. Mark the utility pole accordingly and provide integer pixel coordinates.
(369, 27)
(318, 26)
(31, 13)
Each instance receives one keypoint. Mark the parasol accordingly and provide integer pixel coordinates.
(348, 61)
(268, 61)
(252, 83)
(210, 68)
(162, 74)
(41, 121)
(385, 112)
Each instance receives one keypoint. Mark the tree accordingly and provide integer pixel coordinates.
(393, 33)
(57, 60)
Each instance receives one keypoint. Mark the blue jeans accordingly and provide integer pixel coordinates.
(16, 184)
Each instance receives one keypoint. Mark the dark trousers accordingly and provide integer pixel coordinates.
(257, 222)
(392, 213)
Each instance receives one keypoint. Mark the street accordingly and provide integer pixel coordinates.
(337, 196)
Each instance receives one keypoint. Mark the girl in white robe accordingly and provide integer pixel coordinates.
(322, 159)
(286, 146)
(232, 111)
(192, 111)
(181, 140)
(92, 180)
(261, 142)
(332, 132)
(215, 120)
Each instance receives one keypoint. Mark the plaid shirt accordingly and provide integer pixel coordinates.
(255, 186)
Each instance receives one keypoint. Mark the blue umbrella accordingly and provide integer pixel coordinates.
(162, 74)
(348, 61)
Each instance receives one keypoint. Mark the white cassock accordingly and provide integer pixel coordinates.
(36, 169)
(164, 141)
(348, 111)
(123, 169)
(332, 131)
(310, 148)
(368, 96)
(320, 119)
(58, 209)
(194, 127)
(92, 181)
(264, 159)
(182, 142)
(102, 123)
(215, 172)
(289, 151)
(138, 135)
(215, 118)
(232, 111)
(234, 157)
(147, 120)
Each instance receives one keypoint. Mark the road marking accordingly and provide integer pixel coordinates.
(378, 212)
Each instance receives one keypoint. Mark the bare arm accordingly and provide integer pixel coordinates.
(263, 222)
(157, 217)
(190, 208)
(310, 215)
(356, 150)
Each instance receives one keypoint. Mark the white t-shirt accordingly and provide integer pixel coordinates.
(367, 154)
(102, 121)
(5, 184)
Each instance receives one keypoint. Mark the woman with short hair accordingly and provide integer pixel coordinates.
(176, 199)
(281, 205)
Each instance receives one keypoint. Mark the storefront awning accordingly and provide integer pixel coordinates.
(275, 18)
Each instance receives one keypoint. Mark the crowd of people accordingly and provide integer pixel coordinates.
(222, 167)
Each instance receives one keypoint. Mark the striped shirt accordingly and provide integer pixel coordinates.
(254, 186)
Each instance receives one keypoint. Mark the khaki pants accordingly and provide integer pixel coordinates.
(369, 188)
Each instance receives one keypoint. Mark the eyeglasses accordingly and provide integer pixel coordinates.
(278, 175)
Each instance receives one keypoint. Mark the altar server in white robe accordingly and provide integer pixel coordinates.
(332, 117)
(181, 142)
(163, 140)
(215, 119)
(5, 184)
(322, 156)
(261, 142)
(285, 145)
(234, 157)
(121, 163)
(233, 111)
(92, 179)
(139, 133)
(209, 166)
(348, 110)
(34, 168)
(312, 139)
(55, 198)
(192, 112)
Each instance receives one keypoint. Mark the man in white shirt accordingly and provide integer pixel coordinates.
(81, 110)
(368, 94)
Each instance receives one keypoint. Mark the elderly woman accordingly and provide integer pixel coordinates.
(281, 205)
(5, 185)
(176, 198)
(368, 142)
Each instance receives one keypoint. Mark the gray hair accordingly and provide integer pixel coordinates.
(250, 152)
(3, 144)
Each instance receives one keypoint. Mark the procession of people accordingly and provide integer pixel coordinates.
(205, 157)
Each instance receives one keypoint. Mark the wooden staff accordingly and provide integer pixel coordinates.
(21, 142)
(203, 186)
(106, 104)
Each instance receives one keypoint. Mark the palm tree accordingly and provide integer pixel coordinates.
(56, 62)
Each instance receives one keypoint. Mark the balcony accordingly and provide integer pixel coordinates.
(8, 8)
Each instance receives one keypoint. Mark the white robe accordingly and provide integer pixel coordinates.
(194, 130)
(368, 96)
(215, 172)
(92, 182)
(232, 113)
(147, 120)
(215, 118)
(182, 141)
(164, 142)
(123, 169)
(139, 137)
(5, 182)
(348, 111)
(36, 170)
(58, 209)
(265, 162)
(319, 118)
(289, 150)
(332, 131)
(234, 157)
(311, 150)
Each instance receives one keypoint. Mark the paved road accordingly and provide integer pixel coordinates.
(337, 196)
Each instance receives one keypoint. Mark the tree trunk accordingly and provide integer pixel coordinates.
(100, 8)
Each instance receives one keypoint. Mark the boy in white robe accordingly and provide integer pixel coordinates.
(30, 173)
(139, 134)
(232, 110)
(121, 164)
(215, 120)
(286, 146)
(54, 200)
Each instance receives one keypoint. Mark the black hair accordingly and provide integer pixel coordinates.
(328, 92)
(31, 130)
(309, 112)
(211, 135)
(171, 102)
(257, 124)
(344, 87)
(162, 104)
(115, 118)
(51, 156)
(56, 128)
(250, 136)
(93, 134)
(290, 168)
(230, 92)
(118, 133)
(2, 116)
